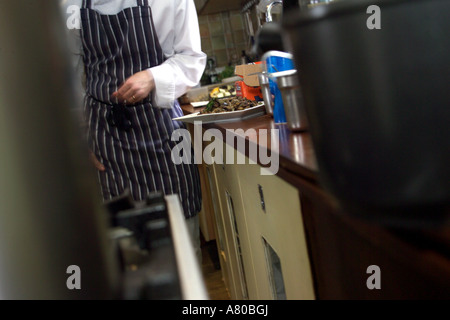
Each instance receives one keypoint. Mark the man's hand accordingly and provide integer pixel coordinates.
(96, 163)
(136, 88)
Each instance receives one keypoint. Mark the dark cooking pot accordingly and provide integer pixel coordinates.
(378, 104)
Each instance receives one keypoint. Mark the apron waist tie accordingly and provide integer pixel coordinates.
(118, 116)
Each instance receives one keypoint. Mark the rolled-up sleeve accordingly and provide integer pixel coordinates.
(185, 62)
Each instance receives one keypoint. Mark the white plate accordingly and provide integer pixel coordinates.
(252, 112)
(199, 104)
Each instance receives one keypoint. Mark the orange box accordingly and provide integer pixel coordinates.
(249, 73)
(249, 86)
(245, 91)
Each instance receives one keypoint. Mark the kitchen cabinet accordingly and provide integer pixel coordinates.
(233, 245)
(261, 235)
(276, 234)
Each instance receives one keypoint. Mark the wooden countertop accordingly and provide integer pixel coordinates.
(296, 152)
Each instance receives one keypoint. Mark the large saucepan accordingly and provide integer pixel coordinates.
(378, 103)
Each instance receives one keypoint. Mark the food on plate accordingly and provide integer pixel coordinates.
(224, 91)
(228, 104)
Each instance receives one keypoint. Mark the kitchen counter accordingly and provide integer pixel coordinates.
(295, 149)
(415, 264)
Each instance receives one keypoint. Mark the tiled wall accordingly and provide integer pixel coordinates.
(224, 36)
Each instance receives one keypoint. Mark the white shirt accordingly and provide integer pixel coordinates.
(176, 25)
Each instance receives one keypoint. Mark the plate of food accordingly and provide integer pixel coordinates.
(199, 104)
(226, 110)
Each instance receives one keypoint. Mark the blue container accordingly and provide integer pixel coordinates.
(279, 115)
(276, 61)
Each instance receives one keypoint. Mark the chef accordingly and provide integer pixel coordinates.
(137, 58)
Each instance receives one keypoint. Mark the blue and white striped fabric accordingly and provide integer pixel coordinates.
(138, 157)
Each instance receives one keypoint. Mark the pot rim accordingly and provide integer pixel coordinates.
(285, 79)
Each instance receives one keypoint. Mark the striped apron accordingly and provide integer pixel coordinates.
(133, 142)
